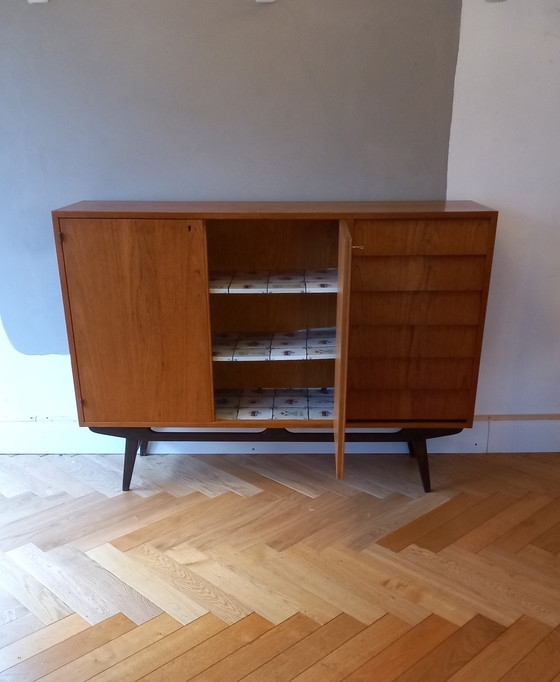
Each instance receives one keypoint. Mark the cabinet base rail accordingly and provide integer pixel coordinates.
(137, 439)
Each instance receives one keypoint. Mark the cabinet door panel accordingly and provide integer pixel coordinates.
(418, 299)
(138, 298)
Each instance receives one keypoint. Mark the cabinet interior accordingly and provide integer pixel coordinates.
(290, 247)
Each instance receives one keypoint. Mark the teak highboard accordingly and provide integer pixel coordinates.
(326, 315)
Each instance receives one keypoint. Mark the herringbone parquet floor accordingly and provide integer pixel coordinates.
(265, 568)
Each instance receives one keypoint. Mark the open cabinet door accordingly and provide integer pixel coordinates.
(342, 330)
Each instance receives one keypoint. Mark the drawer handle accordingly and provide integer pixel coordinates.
(359, 247)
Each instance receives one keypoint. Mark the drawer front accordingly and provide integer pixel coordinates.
(465, 237)
(409, 406)
(408, 341)
(415, 308)
(417, 373)
(418, 273)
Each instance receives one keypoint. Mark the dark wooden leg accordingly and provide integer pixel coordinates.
(143, 449)
(130, 451)
(419, 450)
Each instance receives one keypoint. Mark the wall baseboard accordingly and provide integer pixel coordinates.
(487, 435)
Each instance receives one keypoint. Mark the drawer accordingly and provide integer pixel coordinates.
(418, 273)
(421, 237)
(416, 374)
(394, 406)
(412, 342)
(415, 308)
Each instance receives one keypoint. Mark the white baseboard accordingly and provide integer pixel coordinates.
(66, 437)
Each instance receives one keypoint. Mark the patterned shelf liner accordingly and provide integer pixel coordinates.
(275, 403)
(304, 344)
(287, 282)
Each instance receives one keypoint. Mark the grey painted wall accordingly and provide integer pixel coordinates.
(209, 99)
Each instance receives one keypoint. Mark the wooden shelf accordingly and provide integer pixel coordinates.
(285, 282)
(303, 344)
(274, 404)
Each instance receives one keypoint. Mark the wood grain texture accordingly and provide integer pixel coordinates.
(271, 245)
(342, 328)
(131, 324)
(140, 332)
(336, 210)
(279, 571)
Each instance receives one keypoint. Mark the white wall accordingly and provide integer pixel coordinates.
(505, 152)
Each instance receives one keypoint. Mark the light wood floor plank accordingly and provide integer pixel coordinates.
(341, 567)
(55, 659)
(39, 600)
(537, 600)
(478, 591)
(250, 662)
(257, 596)
(155, 508)
(351, 655)
(108, 588)
(148, 583)
(454, 529)
(452, 654)
(19, 628)
(196, 505)
(41, 640)
(21, 506)
(499, 657)
(267, 568)
(160, 651)
(402, 654)
(105, 655)
(410, 532)
(502, 523)
(252, 563)
(52, 573)
(531, 528)
(211, 598)
(307, 651)
(541, 664)
(30, 528)
(227, 520)
(188, 665)
(293, 567)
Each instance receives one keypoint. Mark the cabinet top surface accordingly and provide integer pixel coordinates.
(270, 209)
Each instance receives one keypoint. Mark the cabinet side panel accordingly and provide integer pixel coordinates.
(68, 317)
(138, 300)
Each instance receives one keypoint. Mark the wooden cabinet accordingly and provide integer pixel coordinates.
(328, 315)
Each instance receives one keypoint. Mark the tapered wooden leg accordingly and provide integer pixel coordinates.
(130, 451)
(419, 450)
(143, 449)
